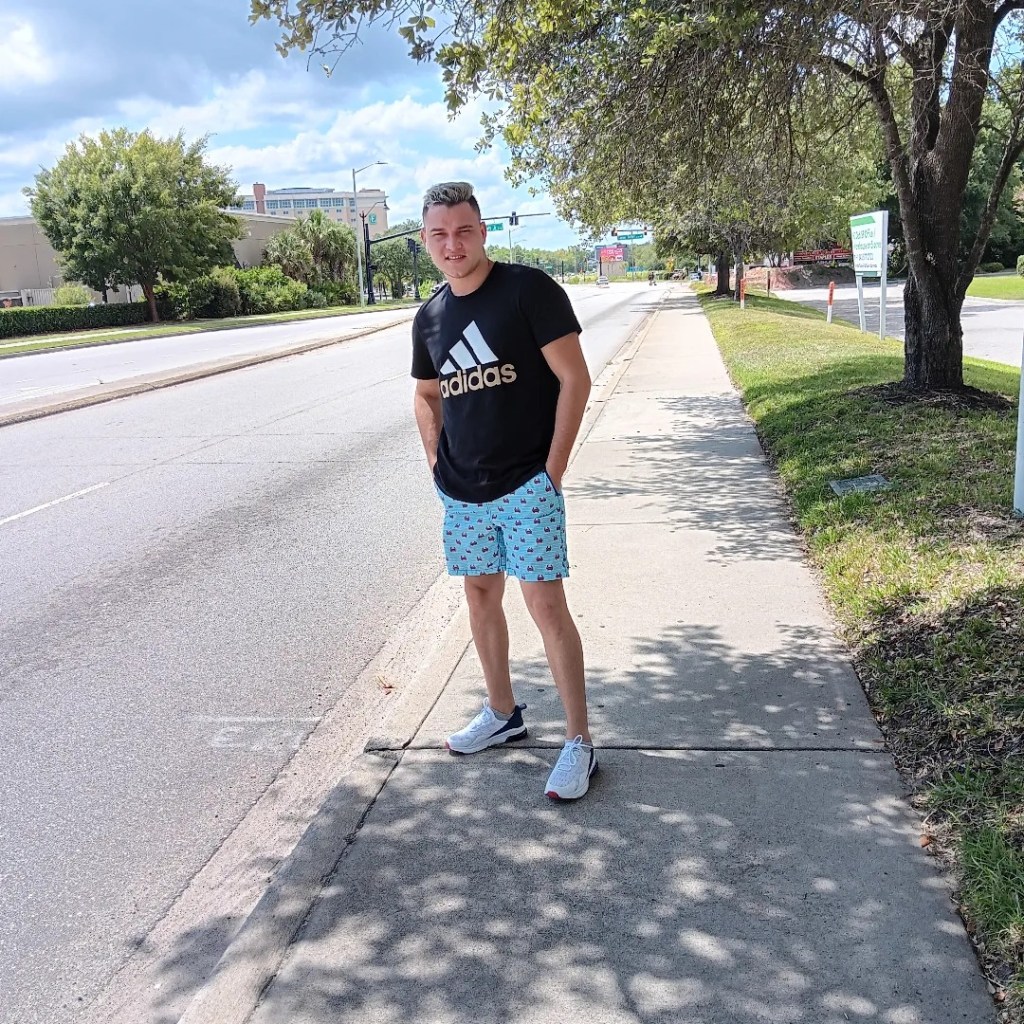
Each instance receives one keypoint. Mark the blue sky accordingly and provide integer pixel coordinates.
(200, 67)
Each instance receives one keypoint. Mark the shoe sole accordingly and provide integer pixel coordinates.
(498, 742)
(552, 795)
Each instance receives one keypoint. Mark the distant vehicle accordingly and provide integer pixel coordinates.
(602, 281)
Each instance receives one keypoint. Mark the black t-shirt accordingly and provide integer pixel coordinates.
(498, 394)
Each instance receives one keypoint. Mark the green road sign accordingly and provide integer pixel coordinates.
(633, 236)
(500, 226)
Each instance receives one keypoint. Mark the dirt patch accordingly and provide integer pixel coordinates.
(954, 399)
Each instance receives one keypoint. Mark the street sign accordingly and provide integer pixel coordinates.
(499, 226)
(868, 234)
(869, 238)
(632, 236)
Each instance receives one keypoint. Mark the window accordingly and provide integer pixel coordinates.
(286, 204)
(272, 204)
(249, 204)
(352, 204)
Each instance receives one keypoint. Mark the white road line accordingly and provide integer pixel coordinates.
(56, 501)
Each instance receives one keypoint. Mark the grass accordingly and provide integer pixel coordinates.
(927, 581)
(42, 343)
(997, 286)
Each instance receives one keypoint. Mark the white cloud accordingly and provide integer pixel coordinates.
(24, 62)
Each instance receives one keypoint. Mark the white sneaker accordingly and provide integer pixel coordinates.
(487, 730)
(570, 778)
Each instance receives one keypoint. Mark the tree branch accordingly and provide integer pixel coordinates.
(1008, 7)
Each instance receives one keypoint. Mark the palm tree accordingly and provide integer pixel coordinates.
(292, 254)
(332, 246)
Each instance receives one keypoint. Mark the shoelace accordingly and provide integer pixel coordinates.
(569, 757)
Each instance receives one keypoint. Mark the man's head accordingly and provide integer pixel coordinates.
(453, 232)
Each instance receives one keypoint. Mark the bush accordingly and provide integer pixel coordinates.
(209, 296)
(339, 293)
(23, 321)
(991, 268)
(1020, 265)
(268, 290)
(72, 294)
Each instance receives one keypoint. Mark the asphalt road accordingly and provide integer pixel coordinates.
(235, 551)
(993, 328)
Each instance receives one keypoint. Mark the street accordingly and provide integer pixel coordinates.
(190, 580)
(993, 328)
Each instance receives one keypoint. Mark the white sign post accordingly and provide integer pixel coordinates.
(869, 237)
(1018, 480)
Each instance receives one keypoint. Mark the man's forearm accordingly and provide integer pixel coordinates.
(572, 403)
(428, 419)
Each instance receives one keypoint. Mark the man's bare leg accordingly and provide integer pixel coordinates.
(546, 603)
(490, 634)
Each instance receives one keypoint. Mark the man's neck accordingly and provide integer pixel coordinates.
(467, 285)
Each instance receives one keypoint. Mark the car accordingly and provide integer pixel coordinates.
(602, 281)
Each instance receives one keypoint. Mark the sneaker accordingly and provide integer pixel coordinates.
(487, 730)
(570, 778)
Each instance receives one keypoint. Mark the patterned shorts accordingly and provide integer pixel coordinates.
(522, 534)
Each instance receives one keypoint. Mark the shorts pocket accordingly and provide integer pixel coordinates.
(547, 476)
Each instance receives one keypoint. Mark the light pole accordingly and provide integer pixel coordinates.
(366, 242)
(355, 199)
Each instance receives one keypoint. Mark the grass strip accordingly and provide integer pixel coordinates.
(926, 578)
(1002, 286)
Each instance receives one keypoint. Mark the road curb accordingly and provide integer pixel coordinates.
(252, 960)
(37, 409)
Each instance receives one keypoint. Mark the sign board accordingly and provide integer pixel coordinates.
(610, 254)
(499, 226)
(833, 255)
(870, 242)
(630, 236)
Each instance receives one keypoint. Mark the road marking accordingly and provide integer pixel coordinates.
(56, 501)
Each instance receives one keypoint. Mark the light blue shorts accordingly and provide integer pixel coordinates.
(522, 534)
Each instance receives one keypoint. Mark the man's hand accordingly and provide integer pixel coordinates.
(555, 473)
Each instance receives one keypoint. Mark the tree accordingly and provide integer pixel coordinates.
(127, 208)
(316, 251)
(604, 92)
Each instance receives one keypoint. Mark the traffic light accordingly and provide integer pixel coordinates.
(513, 221)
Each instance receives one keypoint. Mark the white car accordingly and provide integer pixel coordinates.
(602, 281)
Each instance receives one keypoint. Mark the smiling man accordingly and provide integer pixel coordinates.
(501, 387)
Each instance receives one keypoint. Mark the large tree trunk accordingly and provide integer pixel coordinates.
(933, 349)
(722, 272)
(150, 294)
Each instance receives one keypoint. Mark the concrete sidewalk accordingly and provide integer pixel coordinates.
(745, 855)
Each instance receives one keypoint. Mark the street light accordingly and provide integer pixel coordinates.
(355, 199)
(366, 242)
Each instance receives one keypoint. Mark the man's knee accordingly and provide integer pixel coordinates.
(484, 593)
(546, 603)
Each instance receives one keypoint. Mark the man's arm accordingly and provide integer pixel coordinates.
(565, 357)
(427, 406)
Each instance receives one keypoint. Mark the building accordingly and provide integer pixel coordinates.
(343, 207)
(29, 270)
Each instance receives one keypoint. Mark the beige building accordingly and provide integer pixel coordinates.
(29, 271)
(343, 207)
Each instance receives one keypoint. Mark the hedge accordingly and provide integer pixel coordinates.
(993, 267)
(24, 320)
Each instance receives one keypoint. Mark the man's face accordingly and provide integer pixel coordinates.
(454, 237)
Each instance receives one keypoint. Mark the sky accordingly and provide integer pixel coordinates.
(70, 68)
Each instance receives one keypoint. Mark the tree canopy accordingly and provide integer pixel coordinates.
(128, 208)
(604, 99)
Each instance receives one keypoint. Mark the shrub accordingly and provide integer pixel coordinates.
(1020, 265)
(268, 290)
(72, 294)
(991, 268)
(23, 321)
(209, 296)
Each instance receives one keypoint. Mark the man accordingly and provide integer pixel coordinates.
(501, 387)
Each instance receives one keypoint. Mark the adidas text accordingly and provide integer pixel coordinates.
(476, 380)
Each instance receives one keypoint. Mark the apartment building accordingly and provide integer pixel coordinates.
(340, 206)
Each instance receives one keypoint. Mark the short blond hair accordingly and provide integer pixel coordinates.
(450, 193)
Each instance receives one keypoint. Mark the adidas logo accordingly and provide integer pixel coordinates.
(466, 367)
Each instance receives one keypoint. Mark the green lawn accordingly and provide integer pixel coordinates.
(997, 286)
(40, 343)
(927, 580)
